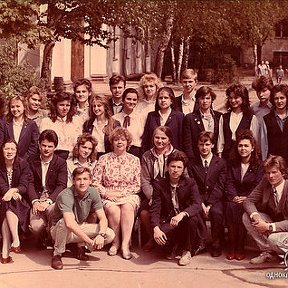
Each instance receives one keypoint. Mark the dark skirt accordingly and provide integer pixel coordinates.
(21, 210)
(234, 213)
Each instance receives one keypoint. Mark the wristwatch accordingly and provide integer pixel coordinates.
(102, 234)
(270, 228)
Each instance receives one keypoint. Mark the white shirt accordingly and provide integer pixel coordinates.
(136, 127)
(188, 106)
(17, 127)
(99, 134)
(208, 159)
(164, 118)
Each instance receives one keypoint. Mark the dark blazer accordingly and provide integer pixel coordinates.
(162, 210)
(110, 102)
(88, 127)
(2, 131)
(236, 187)
(56, 178)
(211, 185)
(179, 104)
(262, 199)
(192, 127)
(28, 140)
(174, 122)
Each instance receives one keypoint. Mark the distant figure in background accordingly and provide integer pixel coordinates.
(35, 99)
(187, 102)
(262, 69)
(117, 84)
(149, 85)
(279, 74)
(268, 70)
(82, 92)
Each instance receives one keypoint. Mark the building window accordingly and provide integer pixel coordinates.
(281, 29)
(280, 58)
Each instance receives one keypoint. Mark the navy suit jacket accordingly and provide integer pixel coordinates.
(236, 187)
(211, 185)
(56, 178)
(174, 122)
(162, 210)
(2, 131)
(28, 140)
(192, 127)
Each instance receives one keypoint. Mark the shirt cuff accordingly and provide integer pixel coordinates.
(273, 226)
(252, 214)
(35, 200)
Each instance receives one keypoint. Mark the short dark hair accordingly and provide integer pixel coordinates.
(178, 156)
(49, 135)
(203, 91)
(129, 90)
(81, 170)
(259, 84)
(116, 78)
(283, 88)
(206, 136)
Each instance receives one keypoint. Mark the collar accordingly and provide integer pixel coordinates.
(169, 112)
(64, 119)
(280, 187)
(207, 159)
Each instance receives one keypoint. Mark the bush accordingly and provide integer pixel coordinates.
(15, 78)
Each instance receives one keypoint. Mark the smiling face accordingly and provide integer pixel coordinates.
(245, 148)
(98, 108)
(235, 101)
(63, 108)
(161, 140)
(117, 90)
(17, 108)
(130, 102)
(280, 101)
(34, 102)
(85, 150)
(205, 148)
(82, 93)
(9, 151)
(188, 84)
(119, 145)
(164, 100)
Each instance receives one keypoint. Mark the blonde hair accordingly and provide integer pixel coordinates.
(146, 78)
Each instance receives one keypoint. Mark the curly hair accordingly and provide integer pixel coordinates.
(121, 132)
(240, 91)
(259, 84)
(255, 160)
(81, 140)
(178, 156)
(282, 88)
(146, 78)
(59, 97)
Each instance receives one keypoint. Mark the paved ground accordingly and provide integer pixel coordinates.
(32, 269)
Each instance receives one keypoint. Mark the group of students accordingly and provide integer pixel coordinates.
(128, 149)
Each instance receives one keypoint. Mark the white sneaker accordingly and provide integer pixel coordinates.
(263, 257)
(185, 258)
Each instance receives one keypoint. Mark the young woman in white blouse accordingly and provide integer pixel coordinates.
(64, 122)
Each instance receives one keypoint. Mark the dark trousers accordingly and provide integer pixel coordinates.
(184, 235)
(216, 217)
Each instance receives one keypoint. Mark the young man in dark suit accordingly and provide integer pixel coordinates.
(266, 217)
(117, 85)
(175, 210)
(49, 179)
(209, 172)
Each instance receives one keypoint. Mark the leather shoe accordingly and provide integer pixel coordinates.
(240, 256)
(56, 262)
(6, 260)
(230, 256)
(216, 252)
(81, 254)
(16, 249)
(126, 254)
(149, 246)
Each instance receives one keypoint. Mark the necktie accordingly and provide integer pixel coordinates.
(275, 196)
(126, 121)
(174, 199)
(206, 166)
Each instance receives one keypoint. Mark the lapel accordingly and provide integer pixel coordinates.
(198, 120)
(211, 167)
(200, 170)
(38, 168)
(10, 131)
(23, 130)
(169, 119)
(284, 198)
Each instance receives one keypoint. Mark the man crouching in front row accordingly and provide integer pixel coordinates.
(74, 205)
(175, 211)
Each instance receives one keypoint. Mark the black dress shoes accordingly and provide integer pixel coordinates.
(56, 262)
(216, 252)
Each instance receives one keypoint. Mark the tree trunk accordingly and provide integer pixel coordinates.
(164, 41)
(186, 53)
(173, 61)
(180, 58)
(255, 56)
(47, 64)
